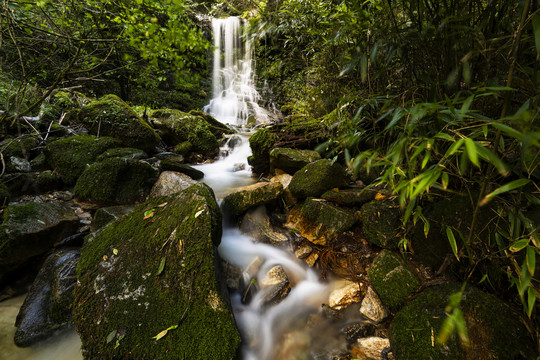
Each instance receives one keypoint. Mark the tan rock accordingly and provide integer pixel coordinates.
(275, 275)
(346, 295)
(311, 259)
(303, 251)
(370, 348)
(170, 182)
(372, 307)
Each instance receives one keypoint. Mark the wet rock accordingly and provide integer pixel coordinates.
(256, 224)
(291, 160)
(124, 153)
(170, 182)
(170, 163)
(350, 197)
(349, 293)
(381, 222)
(372, 307)
(318, 177)
(105, 215)
(30, 229)
(392, 279)
(285, 180)
(141, 277)
(261, 142)
(311, 259)
(17, 164)
(371, 348)
(251, 196)
(69, 157)
(276, 285)
(358, 330)
(303, 251)
(178, 127)
(319, 221)
(494, 328)
(47, 307)
(294, 346)
(233, 275)
(253, 268)
(238, 167)
(115, 181)
(111, 116)
(234, 141)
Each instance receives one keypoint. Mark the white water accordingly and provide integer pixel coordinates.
(262, 327)
(235, 98)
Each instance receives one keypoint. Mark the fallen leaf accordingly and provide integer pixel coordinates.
(162, 205)
(379, 196)
(115, 251)
(199, 213)
(161, 265)
(164, 332)
(105, 258)
(149, 213)
(111, 336)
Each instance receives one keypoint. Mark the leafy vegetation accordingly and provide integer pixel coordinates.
(434, 99)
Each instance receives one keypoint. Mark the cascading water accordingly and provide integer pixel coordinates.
(235, 98)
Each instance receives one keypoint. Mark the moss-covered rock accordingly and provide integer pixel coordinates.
(116, 181)
(494, 329)
(291, 160)
(183, 148)
(350, 197)
(261, 142)
(381, 223)
(319, 221)
(39, 163)
(30, 229)
(241, 200)
(60, 103)
(20, 147)
(4, 194)
(47, 181)
(110, 116)
(124, 153)
(69, 157)
(392, 279)
(178, 127)
(105, 215)
(217, 128)
(139, 277)
(318, 177)
(47, 307)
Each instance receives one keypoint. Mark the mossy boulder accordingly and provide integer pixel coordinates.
(243, 199)
(139, 277)
(178, 127)
(116, 181)
(183, 148)
(291, 160)
(60, 103)
(111, 116)
(108, 214)
(217, 128)
(31, 229)
(32, 183)
(494, 329)
(381, 223)
(261, 142)
(47, 307)
(69, 157)
(392, 279)
(124, 153)
(320, 221)
(47, 181)
(4, 194)
(318, 177)
(21, 147)
(350, 197)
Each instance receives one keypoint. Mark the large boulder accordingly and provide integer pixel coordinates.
(261, 142)
(47, 307)
(291, 160)
(31, 229)
(350, 197)
(494, 329)
(124, 153)
(392, 279)
(69, 157)
(317, 177)
(111, 116)
(243, 199)
(170, 182)
(256, 224)
(178, 127)
(116, 181)
(320, 221)
(381, 223)
(148, 287)
(170, 163)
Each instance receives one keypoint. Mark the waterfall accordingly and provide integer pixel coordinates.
(235, 98)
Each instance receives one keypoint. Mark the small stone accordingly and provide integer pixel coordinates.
(20, 164)
(303, 251)
(372, 307)
(311, 259)
(275, 275)
(253, 268)
(370, 348)
(349, 294)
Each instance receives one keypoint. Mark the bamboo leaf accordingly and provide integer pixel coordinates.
(508, 130)
(465, 107)
(470, 147)
(536, 28)
(505, 188)
(455, 147)
(111, 336)
(531, 299)
(519, 245)
(452, 240)
(161, 265)
(164, 332)
(531, 259)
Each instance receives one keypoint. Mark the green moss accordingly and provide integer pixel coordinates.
(116, 181)
(138, 301)
(110, 116)
(19, 147)
(350, 197)
(124, 153)
(39, 163)
(4, 194)
(247, 197)
(217, 128)
(292, 160)
(392, 280)
(183, 148)
(494, 329)
(69, 157)
(261, 142)
(381, 223)
(60, 103)
(47, 181)
(318, 177)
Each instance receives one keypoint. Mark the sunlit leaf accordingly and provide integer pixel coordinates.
(531, 259)
(149, 213)
(164, 332)
(161, 265)
(452, 241)
(470, 147)
(505, 188)
(519, 245)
